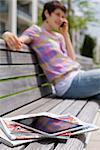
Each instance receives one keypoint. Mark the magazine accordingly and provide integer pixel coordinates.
(16, 132)
(4, 139)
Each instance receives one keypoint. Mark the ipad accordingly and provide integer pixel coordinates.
(47, 125)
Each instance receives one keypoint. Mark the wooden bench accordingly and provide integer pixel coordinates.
(24, 89)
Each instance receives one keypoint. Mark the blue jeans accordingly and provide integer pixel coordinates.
(85, 85)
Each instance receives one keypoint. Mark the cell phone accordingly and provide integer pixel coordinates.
(47, 125)
(62, 24)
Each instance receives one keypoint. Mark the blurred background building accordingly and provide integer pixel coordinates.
(17, 15)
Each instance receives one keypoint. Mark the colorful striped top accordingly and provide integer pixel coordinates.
(51, 52)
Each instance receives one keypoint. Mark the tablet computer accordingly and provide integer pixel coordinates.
(47, 125)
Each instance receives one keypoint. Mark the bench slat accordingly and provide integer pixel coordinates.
(89, 111)
(4, 147)
(16, 85)
(7, 57)
(11, 71)
(14, 102)
(46, 145)
(8, 71)
(29, 107)
(76, 107)
(63, 106)
(71, 144)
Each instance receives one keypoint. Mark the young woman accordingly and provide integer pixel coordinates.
(56, 55)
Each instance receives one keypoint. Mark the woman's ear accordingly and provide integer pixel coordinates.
(46, 14)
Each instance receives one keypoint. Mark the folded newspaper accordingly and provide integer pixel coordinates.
(21, 129)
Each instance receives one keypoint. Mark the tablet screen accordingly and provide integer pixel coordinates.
(47, 124)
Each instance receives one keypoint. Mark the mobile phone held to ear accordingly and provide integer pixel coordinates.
(62, 24)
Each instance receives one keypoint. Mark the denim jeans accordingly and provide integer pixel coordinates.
(85, 84)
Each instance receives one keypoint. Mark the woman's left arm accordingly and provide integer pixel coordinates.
(68, 43)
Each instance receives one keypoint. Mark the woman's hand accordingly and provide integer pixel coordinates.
(69, 48)
(64, 29)
(12, 41)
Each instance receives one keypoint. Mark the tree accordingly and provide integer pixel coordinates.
(39, 16)
(79, 13)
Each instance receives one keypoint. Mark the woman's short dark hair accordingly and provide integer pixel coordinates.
(51, 6)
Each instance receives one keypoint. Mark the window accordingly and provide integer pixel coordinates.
(2, 27)
(2, 3)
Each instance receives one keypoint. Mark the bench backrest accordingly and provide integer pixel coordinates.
(21, 78)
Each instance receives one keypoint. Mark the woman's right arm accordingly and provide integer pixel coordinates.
(15, 42)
